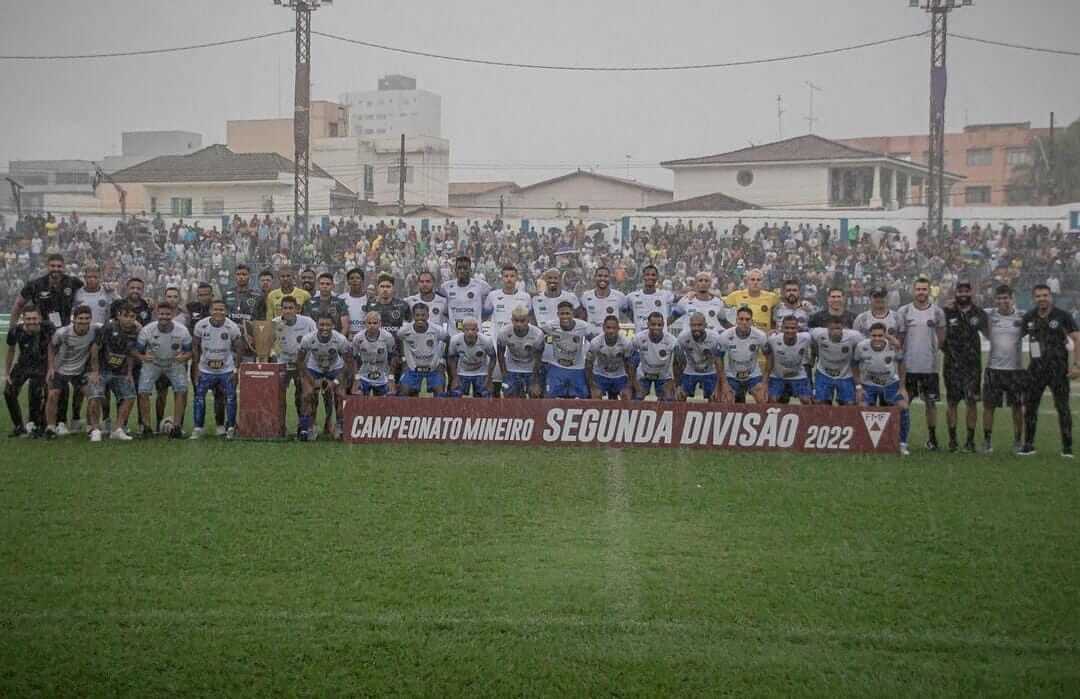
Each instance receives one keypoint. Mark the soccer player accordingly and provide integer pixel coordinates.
(786, 355)
(163, 348)
(834, 347)
(464, 295)
(921, 325)
(53, 294)
(197, 311)
(880, 366)
(69, 356)
(374, 352)
(742, 347)
(835, 307)
(470, 359)
(879, 312)
(649, 299)
(498, 306)
(133, 295)
(172, 295)
(266, 283)
(758, 300)
(545, 306)
(965, 325)
(520, 351)
(290, 329)
(323, 355)
(285, 288)
(792, 306)
(655, 349)
(701, 300)
(393, 311)
(216, 342)
(425, 284)
(423, 347)
(93, 295)
(326, 303)
(27, 362)
(602, 301)
(243, 303)
(116, 344)
(568, 342)
(355, 298)
(699, 346)
(307, 281)
(609, 364)
(1004, 375)
(1048, 329)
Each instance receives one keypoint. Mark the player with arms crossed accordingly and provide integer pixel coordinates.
(470, 358)
(216, 343)
(880, 365)
(699, 347)
(921, 325)
(834, 346)
(323, 354)
(655, 349)
(786, 356)
(1049, 329)
(567, 345)
(742, 346)
(291, 328)
(1004, 377)
(163, 348)
(609, 365)
(374, 352)
(649, 299)
(520, 352)
(423, 347)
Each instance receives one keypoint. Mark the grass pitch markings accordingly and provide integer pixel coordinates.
(623, 579)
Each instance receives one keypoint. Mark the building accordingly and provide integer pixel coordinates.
(716, 201)
(139, 146)
(807, 172)
(576, 194)
(986, 155)
(395, 108)
(54, 185)
(215, 182)
(481, 195)
(372, 167)
(328, 120)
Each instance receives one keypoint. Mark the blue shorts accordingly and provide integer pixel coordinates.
(118, 384)
(744, 386)
(789, 388)
(612, 388)
(412, 379)
(826, 386)
(656, 385)
(474, 385)
(516, 384)
(366, 388)
(690, 382)
(881, 395)
(316, 375)
(176, 374)
(565, 383)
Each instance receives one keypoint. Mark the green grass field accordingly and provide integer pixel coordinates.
(160, 567)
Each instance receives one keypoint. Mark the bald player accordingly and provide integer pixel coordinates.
(470, 358)
(520, 352)
(758, 300)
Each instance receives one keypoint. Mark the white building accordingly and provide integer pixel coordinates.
(139, 146)
(395, 108)
(578, 194)
(371, 167)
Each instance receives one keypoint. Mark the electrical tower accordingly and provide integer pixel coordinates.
(935, 182)
(810, 118)
(302, 109)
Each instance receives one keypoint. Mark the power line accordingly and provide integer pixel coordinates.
(1022, 47)
(147, 52)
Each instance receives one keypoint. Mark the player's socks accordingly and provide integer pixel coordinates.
(905, 425)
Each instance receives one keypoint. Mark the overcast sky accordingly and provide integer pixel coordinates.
(534, 124)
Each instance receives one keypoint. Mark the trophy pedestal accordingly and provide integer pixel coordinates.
(261, 404)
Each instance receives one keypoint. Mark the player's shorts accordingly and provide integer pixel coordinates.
(61, 381)
(963, 383)
(367, 388)
(741, 387)
(790, 388)
(656, 386)
(925, 386)
(176, 374)
(120, 385)
(565, 383)
(162, 384)
(1001, 385)
(881, 395)
(611, 387)
(690, 382)
(472, 385)
(317, 375)
(516, 384)
(411, 380)
(826, 386)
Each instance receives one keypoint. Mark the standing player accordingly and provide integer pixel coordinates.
(701, 300)
(323, 356)
(163, 348)
(464, 295)
(742, 346)
(326, 303)
(835, 307)
(393, 311)
(286, 288)
(655, 349)
(1004, 375)
(307, 280)
(27, 362)
(1049, 328)
(602, 301)
(786, 355)
(498, 306)
(880, 365)
(699, 346)
(197, 311)
(216, 343)
(425, 284)
(423, 348)
(93, 295)
(965, 325)
(520, 351)
(244, 303)
(649, 299)
(290, 329)
(144, 315)
(69, 355)
(470, 358)
(374, 353)
(921, 325)
(834, 347)
(545, 306)
(792, 306)
(117, 340)
(53, 294)
(355, 298)
(758, 300)
(879, 312)
(609, 365)
(568, 343)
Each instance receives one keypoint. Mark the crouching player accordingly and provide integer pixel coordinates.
(786, 356)
(323, 355)
(701, 365)
(742, 346)
(609, 364)
(163, 348)
(655, 349)
(374, 352)
(423, 347)
(880, 365)
(835, 346)
(568, 338)
(216, 343)
(470, 358)
(520, 353)
(116, 346)
(290, 329)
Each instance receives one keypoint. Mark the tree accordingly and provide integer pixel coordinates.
(1035, 183)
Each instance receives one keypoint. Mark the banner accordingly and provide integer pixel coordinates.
(816, 429)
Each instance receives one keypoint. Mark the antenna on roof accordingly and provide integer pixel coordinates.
(810, 118)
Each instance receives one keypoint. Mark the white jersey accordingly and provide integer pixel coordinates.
(641, 305)
(655, 358)
(355, 304)
(918, 326)
(865, 320)
(834, 357)
(700, 355)
(1006, 332)
(520, 352)
(216, 342)
(71, 350)
(878, 367)
(713, 308)
(289, 336)
(800, 311)
(164, 345)
(499, 305)
(474, 359)
(325, 355)
(609, 359)
(373, 356)
(99, 302)
(423, 350)
(464, 301)
(567, 348)
(597, 308)
(546, 308)
(436, 307)
(789, 361)
(741, 354)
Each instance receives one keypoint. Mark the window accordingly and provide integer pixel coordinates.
(980, 156)
(213, 207)
(1018, 156)
(393, 174)
(71, 178)
(31, 180)
(180, 207)
(977, 195)
(267, 204)
(153, 205)
(333, 129)
(745, 178)
(369, 182)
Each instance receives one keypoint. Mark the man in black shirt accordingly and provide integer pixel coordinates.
(144, 313)
(1048, 328)
(53, 294)
(324, 302)
(31, 339)
(393, 311)
(116, 349)
(834, 308)
(244, 303)
(965, 325)
(307, 281)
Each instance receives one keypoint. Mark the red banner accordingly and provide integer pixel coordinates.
(820, 429)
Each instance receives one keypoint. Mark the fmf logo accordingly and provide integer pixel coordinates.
(875, 425)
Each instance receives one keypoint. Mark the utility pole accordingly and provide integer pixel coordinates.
(628, 157)
(810, 117)
(302, 109)
(502, 203)
(16, 195)
(401, 179)
(780, 117)
(935, 186)
(1052, 166)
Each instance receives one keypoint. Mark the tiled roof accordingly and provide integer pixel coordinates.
(717, 201)
(596, 175)
(474, 188)
(212, 164)
(808, 147)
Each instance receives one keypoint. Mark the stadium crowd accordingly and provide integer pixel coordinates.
(408, 313)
